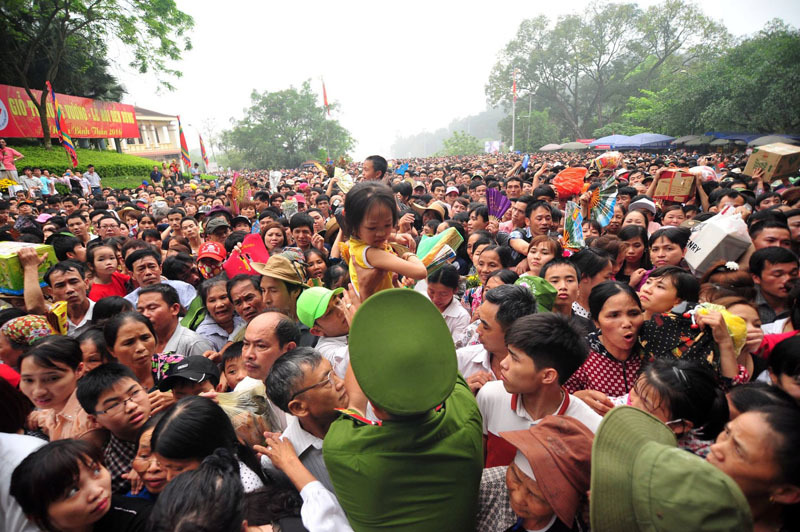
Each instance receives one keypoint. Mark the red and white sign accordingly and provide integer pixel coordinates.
(84, 117)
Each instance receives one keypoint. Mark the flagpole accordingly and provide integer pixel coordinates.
(325, 112)
(514, 112)
(528, 135)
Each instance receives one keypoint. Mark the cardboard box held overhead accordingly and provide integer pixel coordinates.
(675, 185)
(11, 275)
(777, 160)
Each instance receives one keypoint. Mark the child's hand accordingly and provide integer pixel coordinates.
(406, 240)
(408, 282)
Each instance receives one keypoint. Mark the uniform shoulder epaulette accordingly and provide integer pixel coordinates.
(354, 414)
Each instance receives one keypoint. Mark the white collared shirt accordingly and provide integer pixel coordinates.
(321, 511)
(186, 292)
(457, 319)
(472, 359)
(74, 329)
(308, 448)
(503, 411)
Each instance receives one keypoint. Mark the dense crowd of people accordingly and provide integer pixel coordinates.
(283, 355)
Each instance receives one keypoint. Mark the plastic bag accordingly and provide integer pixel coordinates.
(722, 237)
(736, 326)
(704, 173)
(250, 413)
(608, 161)
(569, 181)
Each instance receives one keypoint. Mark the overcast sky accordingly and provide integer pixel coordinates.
(394, 68)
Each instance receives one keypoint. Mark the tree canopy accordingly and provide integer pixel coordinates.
(283, 129)
(65, 41)
(461, 143)
(752, 87)
(582, 69)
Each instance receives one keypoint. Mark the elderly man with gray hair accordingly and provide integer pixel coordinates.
(303, 383)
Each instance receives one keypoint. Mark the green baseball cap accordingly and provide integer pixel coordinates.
(642, 481)
(402, 353)
(313, 303)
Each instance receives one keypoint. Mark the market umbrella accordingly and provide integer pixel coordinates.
(610, 140)
(771, 139)
(574, 146)
(683, 140)
(550, 147)
(645, 140)
(702, 140)
(727, 142)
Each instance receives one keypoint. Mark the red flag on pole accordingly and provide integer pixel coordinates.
(65, 139)
(203, 150)
(325, 98)
(184, 146)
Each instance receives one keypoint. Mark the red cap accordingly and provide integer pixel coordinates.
(212, 250)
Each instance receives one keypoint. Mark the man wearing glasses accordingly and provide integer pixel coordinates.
(108, 226)
(302, 383)
(114, 399)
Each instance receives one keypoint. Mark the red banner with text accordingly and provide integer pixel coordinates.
(84, 117)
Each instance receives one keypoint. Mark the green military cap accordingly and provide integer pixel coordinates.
(641, 481)
(402, 353)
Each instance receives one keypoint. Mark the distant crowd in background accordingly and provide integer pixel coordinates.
(276, 349)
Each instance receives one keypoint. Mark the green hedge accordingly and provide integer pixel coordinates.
(133, 181)
(107, 163)
(116, 170)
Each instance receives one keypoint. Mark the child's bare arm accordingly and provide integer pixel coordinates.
(409, 266)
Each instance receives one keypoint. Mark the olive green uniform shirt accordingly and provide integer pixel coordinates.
(418, 473)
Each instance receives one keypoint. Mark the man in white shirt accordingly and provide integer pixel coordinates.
(145, 268)
(94, 180)
(501, 307)
(544, 350)
(160, 304)
(303, 384)
(67, 282)
(30, 183)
